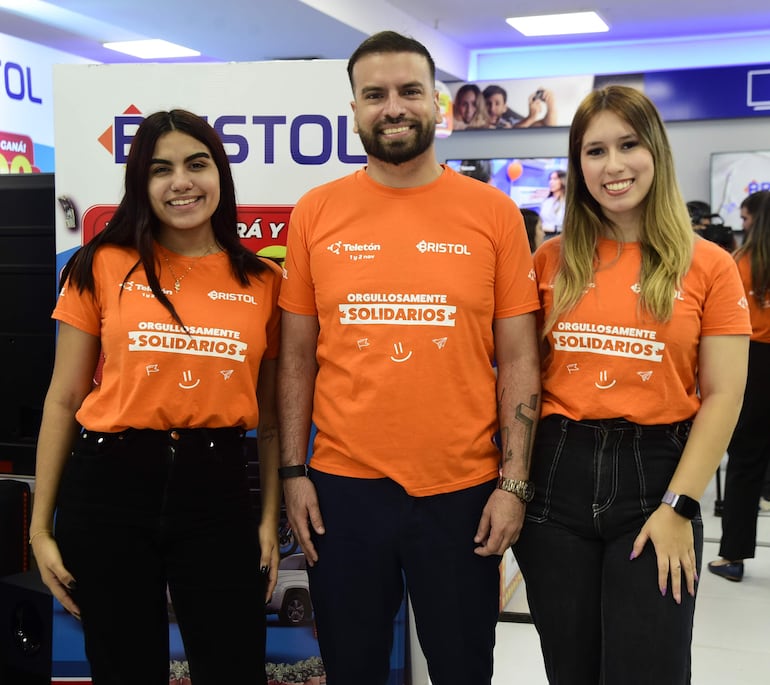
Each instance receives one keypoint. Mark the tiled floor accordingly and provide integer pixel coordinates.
(731, 643)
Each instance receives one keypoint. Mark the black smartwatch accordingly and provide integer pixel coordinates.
(682, 504)
(285, 472)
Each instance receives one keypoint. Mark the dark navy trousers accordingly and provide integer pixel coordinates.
(379, 538)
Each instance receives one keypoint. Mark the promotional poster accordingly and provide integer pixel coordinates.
(679, 95)
(26, 105)
(278, 146)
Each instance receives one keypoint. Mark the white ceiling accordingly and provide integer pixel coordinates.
(247, 30)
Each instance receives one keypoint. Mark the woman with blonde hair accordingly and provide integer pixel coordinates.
(645, 335)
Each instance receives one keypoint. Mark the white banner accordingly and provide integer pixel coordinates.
(287, 126)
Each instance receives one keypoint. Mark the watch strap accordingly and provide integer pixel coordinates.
(523, 489)
(682, 504)
(297, 471)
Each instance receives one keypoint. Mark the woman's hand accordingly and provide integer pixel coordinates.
(56, 577)
(268, 542)
(673, 540)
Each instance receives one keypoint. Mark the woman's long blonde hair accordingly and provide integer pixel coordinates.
(666, 235)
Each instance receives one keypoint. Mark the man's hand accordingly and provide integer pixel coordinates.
(303, 511)
(500, 523)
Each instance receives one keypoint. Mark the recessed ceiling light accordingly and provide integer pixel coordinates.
(151, 49)
(559, 24)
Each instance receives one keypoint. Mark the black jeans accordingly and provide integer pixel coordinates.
(142, 510)
(749, 454)
(600, 616)
(377, 535)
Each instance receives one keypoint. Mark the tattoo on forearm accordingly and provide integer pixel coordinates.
(526, 414)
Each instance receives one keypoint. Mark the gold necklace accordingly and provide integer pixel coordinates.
(178, 279)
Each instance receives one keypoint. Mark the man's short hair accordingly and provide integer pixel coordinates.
(489, 91)
(389, 41)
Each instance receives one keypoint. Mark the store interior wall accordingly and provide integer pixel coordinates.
(692, 143)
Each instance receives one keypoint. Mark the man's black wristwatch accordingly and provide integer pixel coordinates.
(523, 489)
(285, 472)
(682, 504)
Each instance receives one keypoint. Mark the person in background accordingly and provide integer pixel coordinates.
(749, 449)
(403, 283)
(552, 208)
(534, 227)
(146, 472)
(480, 169)
(710, 226)
(748, 210)
(700, 213)
(542, 111)
(469, 109)
(636, 308)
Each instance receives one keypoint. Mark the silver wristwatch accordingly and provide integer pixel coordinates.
(523, 489)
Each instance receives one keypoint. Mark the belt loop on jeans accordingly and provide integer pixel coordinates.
(209, 436)
(99, 437)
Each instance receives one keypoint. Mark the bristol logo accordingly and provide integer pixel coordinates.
(108, 139)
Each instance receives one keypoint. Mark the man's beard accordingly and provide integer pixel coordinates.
(398, 152)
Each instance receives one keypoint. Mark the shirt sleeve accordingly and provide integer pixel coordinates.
(725, 309)
(515, 286)
(78, 309)
(297, 292)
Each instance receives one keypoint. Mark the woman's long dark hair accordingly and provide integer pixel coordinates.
(757, 247)
(135, 225)
(563, 178)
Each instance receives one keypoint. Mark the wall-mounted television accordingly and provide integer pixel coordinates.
(734, 175)
(523, 179)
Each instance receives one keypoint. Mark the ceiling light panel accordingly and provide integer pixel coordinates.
(151, 49)
(559, 24)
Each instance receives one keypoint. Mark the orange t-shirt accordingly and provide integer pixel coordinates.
(155, 374)
(760, 314)
(406, 284)
(608, 360)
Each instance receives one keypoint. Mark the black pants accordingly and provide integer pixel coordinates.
(749, 454)
(377, 535)
(143, 510)
(601, 617)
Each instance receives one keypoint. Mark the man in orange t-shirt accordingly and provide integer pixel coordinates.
(405, 283)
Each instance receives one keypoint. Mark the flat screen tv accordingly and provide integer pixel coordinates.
(523, 179)
(734, 175)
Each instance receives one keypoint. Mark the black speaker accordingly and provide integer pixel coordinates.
(14, 526)
(26, 630)
(28, 288)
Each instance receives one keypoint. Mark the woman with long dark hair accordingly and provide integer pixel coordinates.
(749, 449)
(552, 208)
(141, 480)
